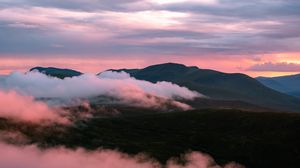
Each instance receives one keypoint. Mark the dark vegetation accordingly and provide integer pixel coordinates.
(258, 140)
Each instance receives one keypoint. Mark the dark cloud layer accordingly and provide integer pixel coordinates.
(182, 28)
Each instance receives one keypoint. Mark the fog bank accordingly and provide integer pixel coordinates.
(118, 85)
(33, 157)
(25, 108)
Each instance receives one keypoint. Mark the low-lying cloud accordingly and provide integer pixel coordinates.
(117, 85)
(25, 108)
(33, 157)
(19, 93)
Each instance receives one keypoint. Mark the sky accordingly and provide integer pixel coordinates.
(257, 37)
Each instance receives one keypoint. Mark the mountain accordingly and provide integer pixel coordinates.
(2, 76)
(286, 84)
(218, 85)
(57, 72)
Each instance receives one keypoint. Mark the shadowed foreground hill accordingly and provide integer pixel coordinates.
(256, 140)
(218, 85)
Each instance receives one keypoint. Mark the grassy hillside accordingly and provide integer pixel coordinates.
(257, 140)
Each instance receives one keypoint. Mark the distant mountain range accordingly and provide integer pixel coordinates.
(2, 77)
(224, 90)
(285, 84)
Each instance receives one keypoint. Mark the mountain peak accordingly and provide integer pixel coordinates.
(57, 72)
(169, 67)
(169, 64)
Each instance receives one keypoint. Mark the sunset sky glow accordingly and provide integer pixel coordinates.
(258, 37)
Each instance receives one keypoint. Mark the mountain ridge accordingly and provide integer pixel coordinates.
(289, 84)
(214, 84)
(217, 85)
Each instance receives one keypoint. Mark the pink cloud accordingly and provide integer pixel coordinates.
(24, 108)
(276, 67)
(64, 22)
(33, 157)
(90, 64)
(121, 86)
